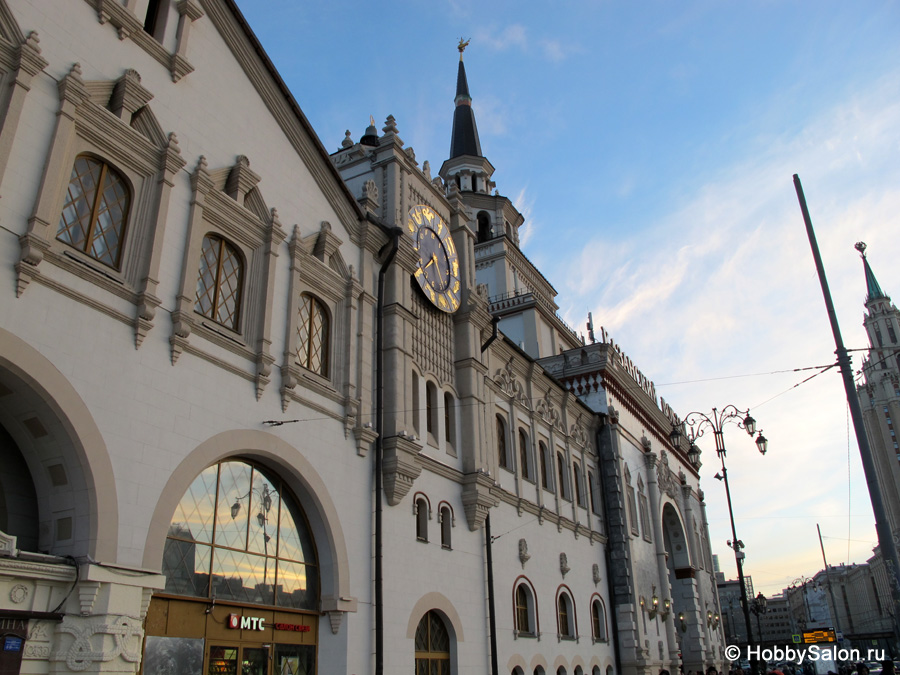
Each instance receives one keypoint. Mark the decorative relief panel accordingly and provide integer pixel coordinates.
(433, 342)
(509, 384)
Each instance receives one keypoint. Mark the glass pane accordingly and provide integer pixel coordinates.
(206, 282)
(421, 666)
(263, 516)
(440, 640)
(229, 288)
(110, 217)
(234, 496)
(173, 656)
(294, 539)
(254, 661)
(422, 635)
(298, 585)
(76, 214)
(316, 354)
(186, 566)
(193, 517)
(222, 660)
(295, 660)
(303, 331)
(243, 577)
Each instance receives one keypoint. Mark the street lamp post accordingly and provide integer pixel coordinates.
(759, 606)
(696, 424)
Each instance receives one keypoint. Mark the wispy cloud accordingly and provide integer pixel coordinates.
(524, 202)
(516, 36)
(726, 283)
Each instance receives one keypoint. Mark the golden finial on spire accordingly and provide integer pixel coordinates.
(371, 121)
(463, 43)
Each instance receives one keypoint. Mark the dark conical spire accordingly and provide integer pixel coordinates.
(873, 290)
(464, 140)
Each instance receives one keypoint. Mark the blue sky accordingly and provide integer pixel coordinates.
(650, 146)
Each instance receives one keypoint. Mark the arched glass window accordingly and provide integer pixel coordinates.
(598, 620)
(561, 476)
(432, 646)
(501, 443)
(416, 408)
(523, 455)
(219, 282)
(96, 208)
(446, 517)
(431, 408)
(525, 614)
(238, 534)
(312, 335)
(563, 616)
(421, 519)
(449, 417)
(545, 466)
(577, 484)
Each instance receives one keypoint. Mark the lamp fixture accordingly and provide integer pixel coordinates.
(681, 621)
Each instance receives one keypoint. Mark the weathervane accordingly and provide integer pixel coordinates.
(861, 247)
(463, 43)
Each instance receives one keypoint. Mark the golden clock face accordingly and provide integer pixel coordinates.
(438, 271)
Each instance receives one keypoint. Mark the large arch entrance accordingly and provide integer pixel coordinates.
(688, 628)
(54, 461)
(254, 555)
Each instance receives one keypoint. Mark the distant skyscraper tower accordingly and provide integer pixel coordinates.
(879, 393)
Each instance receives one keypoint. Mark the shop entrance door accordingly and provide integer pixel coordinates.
(237, 660)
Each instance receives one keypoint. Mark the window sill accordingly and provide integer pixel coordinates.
(421, 540)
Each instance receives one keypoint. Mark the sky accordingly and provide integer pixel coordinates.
(651, 146)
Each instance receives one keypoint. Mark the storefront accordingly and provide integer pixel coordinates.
(242, 585)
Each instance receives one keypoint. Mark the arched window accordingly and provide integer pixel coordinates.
(561, 476)
(579, 670)
(484, 226)
(545, 466)
(416, 408)
(219, 283)
(598, 620)
(312, 335)
(539, 670)
(239, 535)
(96, 208)
(561, 670)
(449, 419)
(432, 646)
(446, 517)
(577, 484)
(523, 456)
(525, 610)
(502, 457)
(563, 616)
(422, 519)
(431, 408)
(592, 493)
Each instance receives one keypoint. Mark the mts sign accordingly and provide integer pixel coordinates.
(245, 622)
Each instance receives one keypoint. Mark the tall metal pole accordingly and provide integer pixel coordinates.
(837, 625)
(882, 526)
(738, 558)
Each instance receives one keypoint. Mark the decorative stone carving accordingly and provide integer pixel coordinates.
(401, 467)
(668, 481)
(596, 573)
(99, 641)
(523, 552)
(578, 434)
(510, 385)
(564, 564)
(335, 618)
(477, 497)
(18, 593)
(547, 410)
(7, 544)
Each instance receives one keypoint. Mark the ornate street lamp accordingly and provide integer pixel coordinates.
(695, 424)
(759, 606)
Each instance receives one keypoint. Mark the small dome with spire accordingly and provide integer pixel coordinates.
(371, 135)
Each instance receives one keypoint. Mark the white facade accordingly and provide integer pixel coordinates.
(218, 307)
